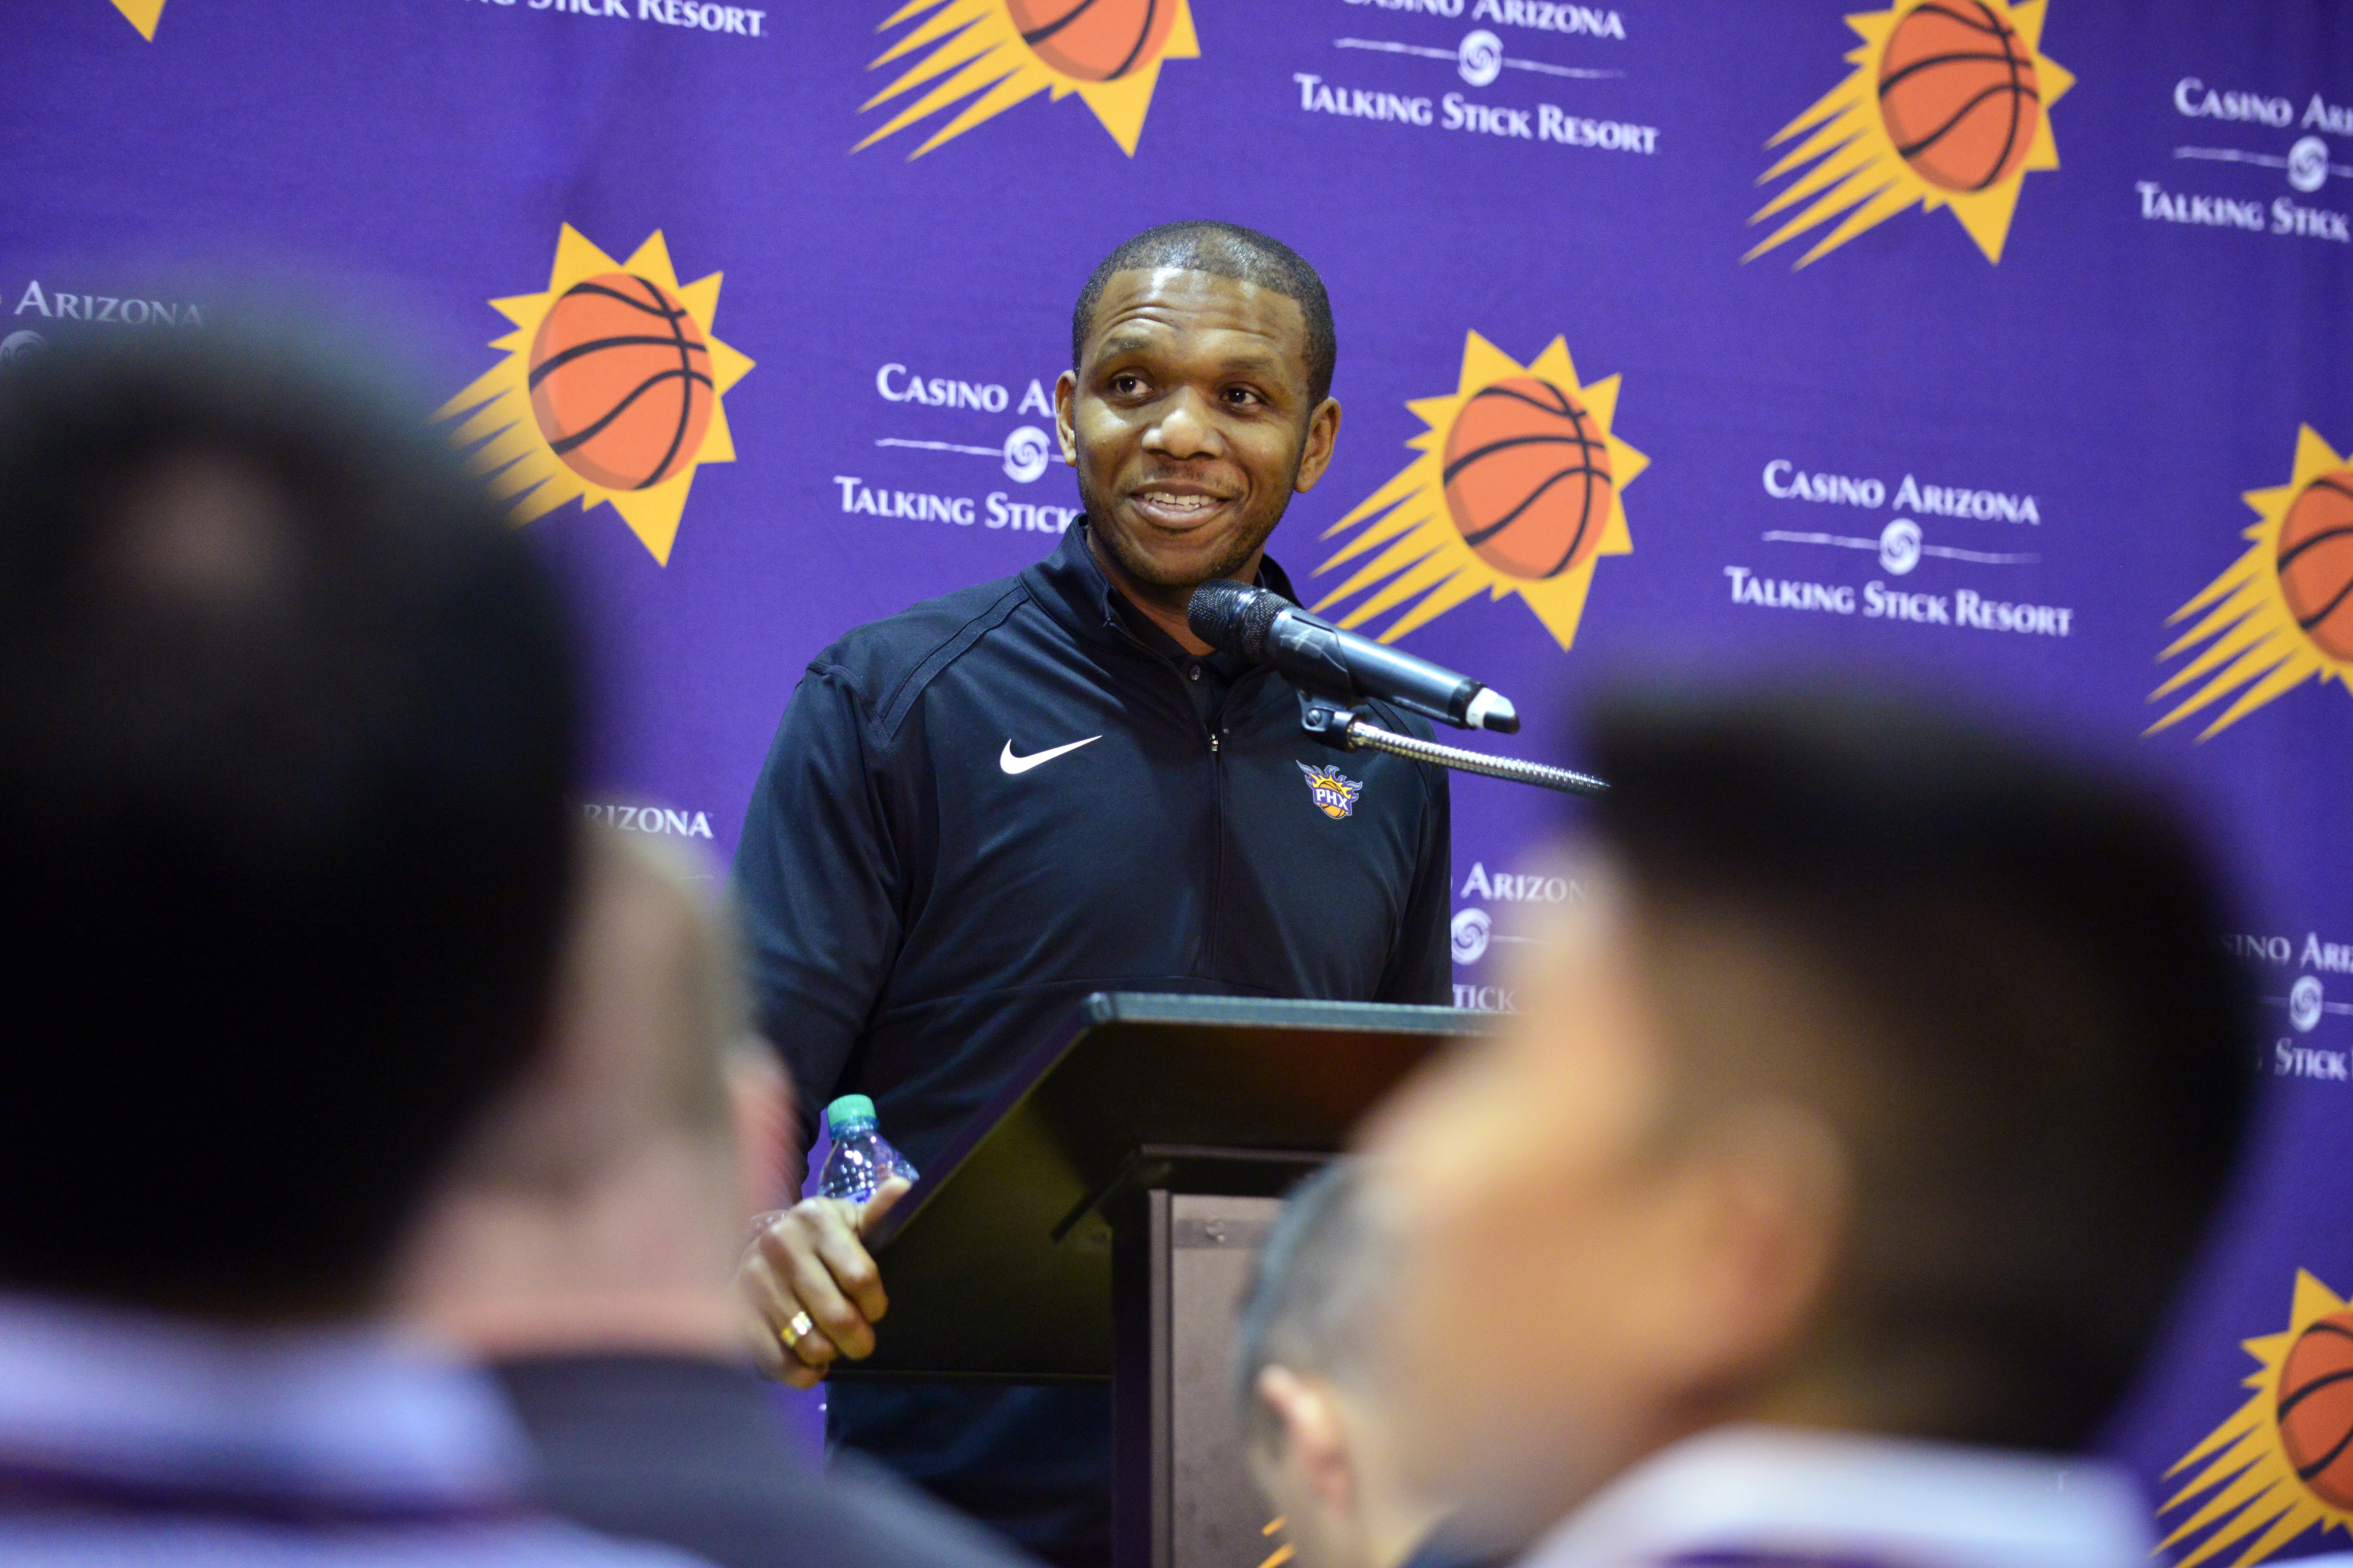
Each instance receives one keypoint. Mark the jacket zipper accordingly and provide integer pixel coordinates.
(1218, 809)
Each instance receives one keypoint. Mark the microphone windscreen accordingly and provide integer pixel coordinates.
(1233, 617)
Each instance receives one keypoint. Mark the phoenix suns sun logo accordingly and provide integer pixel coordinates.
(2284, 1460)
(2281, 612)
(1006, 51)
(1334, 792)
(142, 14)
(1949, 105)
(1518, 490)
(611, 391)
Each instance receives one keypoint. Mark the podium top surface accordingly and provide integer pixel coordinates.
(980, 1284)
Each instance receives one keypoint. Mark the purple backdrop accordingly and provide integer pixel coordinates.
(1990, 439)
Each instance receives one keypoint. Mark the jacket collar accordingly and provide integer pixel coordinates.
(114, 1406)
(1752, 1497)
(1075, 592)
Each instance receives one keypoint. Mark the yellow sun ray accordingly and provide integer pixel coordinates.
(1863, 180)
(142, 14)
(502, 435)
(2256, 1495)
(1423, 567)
(2254, 649)
(979, 43)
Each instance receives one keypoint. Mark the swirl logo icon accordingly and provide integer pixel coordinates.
(1899, 547)
(1025, 453)
(1481, 58)
(2304, 1004)
(2307, 164)
(1470, 932)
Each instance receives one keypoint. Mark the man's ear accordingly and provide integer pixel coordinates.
(1316, 453)
(760, 1114)
(1780, 1193)
(1066, 395)
(1313, 1434)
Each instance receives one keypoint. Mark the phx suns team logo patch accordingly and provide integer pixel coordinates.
(1518, 490)
(998, 53)
(610, 393)
(2283, 613)
(1334, 792)
(142, 14)
(2284, 1460)
(1948, 106)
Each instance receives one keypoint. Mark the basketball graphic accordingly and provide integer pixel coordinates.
(1516, 491)
(1527, 478)
(1959, 94)
(611, 391)
(1947, 105)
(2315, 1408)
(2315, 561)
(1093, 40)
(2280, 614)
(983, 56)
(2279, 1468)
(620, 381)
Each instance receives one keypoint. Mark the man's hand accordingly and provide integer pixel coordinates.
(809, 1258)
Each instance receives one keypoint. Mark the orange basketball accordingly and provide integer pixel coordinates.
(620, 381)
(1093, 40)
(2315, 1408)
(1527, 478)
(1956, 90)
(2316, 563)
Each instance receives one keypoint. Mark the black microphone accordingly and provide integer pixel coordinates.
(1267, 628)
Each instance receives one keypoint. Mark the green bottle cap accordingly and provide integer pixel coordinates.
(847, 1111)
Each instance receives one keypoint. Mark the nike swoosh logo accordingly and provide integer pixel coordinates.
(1013, 765)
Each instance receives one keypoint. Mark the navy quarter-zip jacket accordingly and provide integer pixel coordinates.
(927, 894)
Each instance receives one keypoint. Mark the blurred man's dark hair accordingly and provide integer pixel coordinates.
(1314, 1295)
(2045, 1071)
(287, 714)
(1319, 1429)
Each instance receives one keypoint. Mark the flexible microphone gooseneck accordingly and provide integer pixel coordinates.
(1267, 628)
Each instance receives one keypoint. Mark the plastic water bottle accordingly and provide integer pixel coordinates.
(862, 1159)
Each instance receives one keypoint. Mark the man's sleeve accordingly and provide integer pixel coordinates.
(818, 884)
(1422, 967)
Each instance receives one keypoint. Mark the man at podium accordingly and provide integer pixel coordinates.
(980, 810)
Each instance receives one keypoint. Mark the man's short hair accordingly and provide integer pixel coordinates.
(1313, 1298)
(287, 716)
(2044, 1059)
(1223, 250)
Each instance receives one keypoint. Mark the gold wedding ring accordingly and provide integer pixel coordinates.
(798, 1329)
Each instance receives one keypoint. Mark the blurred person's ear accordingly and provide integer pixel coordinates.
(1764, 1192)
(760, 1115)
(1314, 1444)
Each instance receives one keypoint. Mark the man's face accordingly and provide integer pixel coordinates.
(1187, 420)
(1543, 1283)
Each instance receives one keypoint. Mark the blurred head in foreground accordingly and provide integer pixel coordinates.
(1884, 1083)
(1317, 1423)
(289, 714)
(601, 1205)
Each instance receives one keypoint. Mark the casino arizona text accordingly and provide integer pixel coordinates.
(1543, 16)
(62, 306)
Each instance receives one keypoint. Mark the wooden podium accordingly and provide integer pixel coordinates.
(1100, 1219)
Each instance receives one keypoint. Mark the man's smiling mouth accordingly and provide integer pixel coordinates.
(1175, 505)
